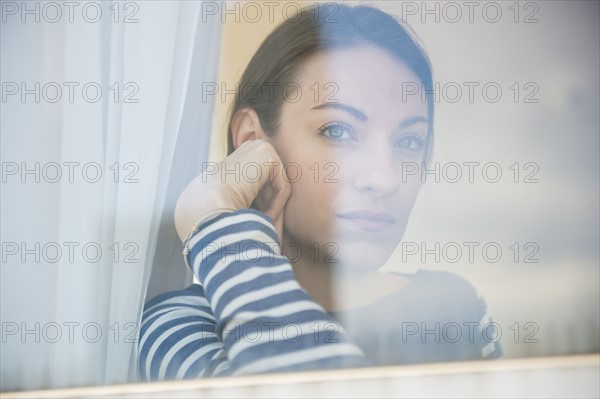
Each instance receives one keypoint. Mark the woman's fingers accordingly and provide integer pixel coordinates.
(280, 189)
(231, 188)
(278, 223)
(273, 190)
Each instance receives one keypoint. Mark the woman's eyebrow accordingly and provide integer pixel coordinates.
(411, 121)
(351, 110)
(358, 114)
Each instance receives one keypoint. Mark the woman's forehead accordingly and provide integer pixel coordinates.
(366, 77)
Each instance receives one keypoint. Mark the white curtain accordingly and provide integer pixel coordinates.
(89, 180)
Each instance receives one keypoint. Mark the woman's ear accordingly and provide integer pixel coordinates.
(245, 126)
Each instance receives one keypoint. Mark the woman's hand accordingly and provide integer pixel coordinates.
(230, 187)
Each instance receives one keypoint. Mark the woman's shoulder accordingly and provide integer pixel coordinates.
(442, 281)
(444, 291)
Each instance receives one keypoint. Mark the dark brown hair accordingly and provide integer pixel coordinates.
(322, 27)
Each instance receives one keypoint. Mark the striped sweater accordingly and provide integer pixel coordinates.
(249, 315)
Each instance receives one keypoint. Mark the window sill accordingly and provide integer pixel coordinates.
(569, 376)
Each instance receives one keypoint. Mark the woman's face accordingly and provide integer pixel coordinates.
(344, 139)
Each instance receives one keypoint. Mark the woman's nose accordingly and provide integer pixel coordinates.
(377, 173)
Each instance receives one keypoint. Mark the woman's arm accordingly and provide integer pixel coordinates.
(260, 319)
(179, 338)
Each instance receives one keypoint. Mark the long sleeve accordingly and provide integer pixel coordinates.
(248, 316)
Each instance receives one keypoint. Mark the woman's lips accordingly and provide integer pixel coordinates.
(369, 220)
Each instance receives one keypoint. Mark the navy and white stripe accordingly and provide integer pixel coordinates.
(248, 316)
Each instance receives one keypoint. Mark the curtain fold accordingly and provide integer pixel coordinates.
(79, 248)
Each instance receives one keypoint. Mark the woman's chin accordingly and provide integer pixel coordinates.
(361, 256)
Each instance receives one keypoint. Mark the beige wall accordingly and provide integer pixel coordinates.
(239, 42)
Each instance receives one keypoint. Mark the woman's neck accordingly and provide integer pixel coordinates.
(336, 288)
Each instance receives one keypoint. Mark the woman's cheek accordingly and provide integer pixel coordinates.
(298, 211)
(308, 212)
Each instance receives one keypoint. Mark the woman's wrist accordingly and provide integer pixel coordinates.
(196, 227)
(197, 202)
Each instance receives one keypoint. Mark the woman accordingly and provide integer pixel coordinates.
(287, 234)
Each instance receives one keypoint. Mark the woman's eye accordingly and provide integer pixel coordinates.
(336, 131)
(413, 143)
